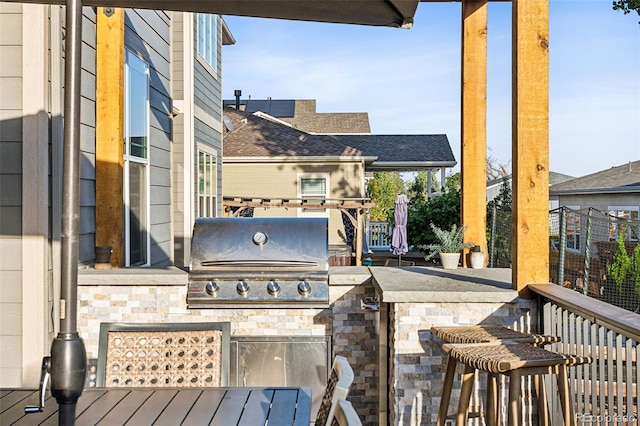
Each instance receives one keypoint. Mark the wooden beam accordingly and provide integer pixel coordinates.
(474, 122)
(109, 131)
(530, 146)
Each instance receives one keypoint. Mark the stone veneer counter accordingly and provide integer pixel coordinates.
(414, 299)
(432, 284)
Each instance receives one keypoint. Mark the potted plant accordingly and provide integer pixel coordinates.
(449, 245)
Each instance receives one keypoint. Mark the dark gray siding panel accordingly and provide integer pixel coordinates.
(10, 220)
(207, 84)
(86, 227)
(160, 157)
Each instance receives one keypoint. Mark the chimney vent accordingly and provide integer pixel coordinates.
(237, 93)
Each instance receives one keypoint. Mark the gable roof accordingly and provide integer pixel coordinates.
(263, 137)
(302, 114)
(618, 179)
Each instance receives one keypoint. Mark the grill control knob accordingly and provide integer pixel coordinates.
(304, 288)
(211, 288)
(242, 288)
(273, 288)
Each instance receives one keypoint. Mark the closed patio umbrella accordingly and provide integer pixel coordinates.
(399, 244)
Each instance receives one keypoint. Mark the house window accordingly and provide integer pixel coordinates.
(207, 184)
(136, 162)
(573, 228)
(313, 186)
(207, 39)
(624, 215)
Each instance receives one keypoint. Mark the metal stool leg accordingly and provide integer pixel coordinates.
(446, 390)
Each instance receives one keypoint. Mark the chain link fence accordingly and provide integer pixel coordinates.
(590, 251)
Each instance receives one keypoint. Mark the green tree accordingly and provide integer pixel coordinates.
(443, 211)
(417, 189)
(383, 189)
(627, 6)
(621, 265)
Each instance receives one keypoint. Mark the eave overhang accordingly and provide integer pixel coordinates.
(409, 165)
(295, 159)
(386, 13)
(597, 191)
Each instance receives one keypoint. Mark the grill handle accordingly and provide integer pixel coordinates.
(258, 263)
(370, 303)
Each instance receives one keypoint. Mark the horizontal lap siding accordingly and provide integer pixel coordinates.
(147, 32)
(86, 225)
(208, 97)
(10, 194)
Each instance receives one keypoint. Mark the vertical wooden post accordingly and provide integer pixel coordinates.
(109, 130)
(474, 122)
(530, 146)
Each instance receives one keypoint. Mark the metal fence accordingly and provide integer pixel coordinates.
(590, 251)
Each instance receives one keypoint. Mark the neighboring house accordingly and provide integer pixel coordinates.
(614, 192)
(616, 189)
(302, 115)
(305, 165)
(494, 185)
(149, 78)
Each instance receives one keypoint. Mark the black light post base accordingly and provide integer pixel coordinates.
(68, 372)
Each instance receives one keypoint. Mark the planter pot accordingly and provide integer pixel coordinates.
(450, 260)
(103, 257)
(476, 258)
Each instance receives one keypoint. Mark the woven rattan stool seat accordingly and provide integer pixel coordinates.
(487, 333)
(500, 358)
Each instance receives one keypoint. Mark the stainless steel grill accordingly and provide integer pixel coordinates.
(270, 262)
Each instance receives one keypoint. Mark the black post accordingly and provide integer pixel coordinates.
(68, 354)
(237, 93)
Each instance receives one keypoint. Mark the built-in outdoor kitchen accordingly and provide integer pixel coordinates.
(290, 312)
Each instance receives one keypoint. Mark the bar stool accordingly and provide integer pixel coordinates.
(513, 359)
(482, 334)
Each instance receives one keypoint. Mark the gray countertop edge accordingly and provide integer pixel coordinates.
(437, 285)
(173, 276)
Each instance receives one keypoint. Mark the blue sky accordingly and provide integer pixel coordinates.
(409, 80)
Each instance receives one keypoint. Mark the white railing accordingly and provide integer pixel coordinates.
(379, 235)
(605, 391)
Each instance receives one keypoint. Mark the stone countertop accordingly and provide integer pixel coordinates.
(133, 276)
(349, 275)
(434, 284)
(338, 275)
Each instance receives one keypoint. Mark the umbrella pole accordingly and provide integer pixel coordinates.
(68, 354)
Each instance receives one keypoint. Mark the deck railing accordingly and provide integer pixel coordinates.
(605, 391)
(379, 235)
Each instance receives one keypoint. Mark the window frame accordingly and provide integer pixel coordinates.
(573, 240)
(613, 225)
(208, 199)
(132, 160)
(307, 212)
(207, 41)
